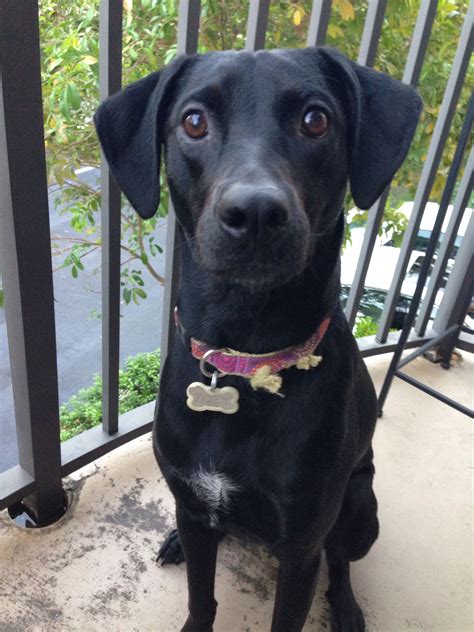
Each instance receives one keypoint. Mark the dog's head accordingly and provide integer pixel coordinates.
(259, 148)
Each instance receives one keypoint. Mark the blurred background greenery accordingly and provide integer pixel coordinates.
(70, 50)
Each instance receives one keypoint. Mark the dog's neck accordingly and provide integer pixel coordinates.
(226, 315)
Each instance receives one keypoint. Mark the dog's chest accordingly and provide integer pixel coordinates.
(213, 490)
(255, 469)
(244, 492)
(222, 501)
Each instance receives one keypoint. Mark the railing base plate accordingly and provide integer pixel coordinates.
(24, 518)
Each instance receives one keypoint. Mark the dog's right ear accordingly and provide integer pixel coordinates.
(130, 126)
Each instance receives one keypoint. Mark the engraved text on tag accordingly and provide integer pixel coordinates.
(221, 400)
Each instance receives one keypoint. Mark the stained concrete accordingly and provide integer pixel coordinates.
(95, 570)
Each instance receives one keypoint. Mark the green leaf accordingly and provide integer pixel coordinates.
(138, 279)
(365, 326)
(141, 293)
(65, 110)
(89, 60)
(170, 54)
(72, 96)
(53, 64)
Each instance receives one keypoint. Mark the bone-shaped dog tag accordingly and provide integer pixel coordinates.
(220, 400)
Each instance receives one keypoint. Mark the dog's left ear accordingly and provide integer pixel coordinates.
(382, 115)
(130, 126)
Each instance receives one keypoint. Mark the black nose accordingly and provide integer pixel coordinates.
(248, 209)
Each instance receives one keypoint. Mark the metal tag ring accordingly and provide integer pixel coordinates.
(204, 371)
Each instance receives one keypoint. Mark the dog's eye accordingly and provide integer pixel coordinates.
(195, 124)
(315, 123)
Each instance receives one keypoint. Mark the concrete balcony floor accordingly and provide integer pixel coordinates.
(95, 570)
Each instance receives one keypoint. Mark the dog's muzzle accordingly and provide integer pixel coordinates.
(253, 211)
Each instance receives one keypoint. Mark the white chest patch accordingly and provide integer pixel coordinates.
(214, 490)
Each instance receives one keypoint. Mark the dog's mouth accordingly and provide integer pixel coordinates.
(257, 278)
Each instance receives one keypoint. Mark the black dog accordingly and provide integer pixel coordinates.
(259, 148)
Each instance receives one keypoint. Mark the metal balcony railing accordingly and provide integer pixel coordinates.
(26, 250)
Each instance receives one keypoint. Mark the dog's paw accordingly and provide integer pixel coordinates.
(171, 551)
(347, 620)
(190, 626)
(345, 614)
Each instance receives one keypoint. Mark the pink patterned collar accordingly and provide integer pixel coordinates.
(262, 369)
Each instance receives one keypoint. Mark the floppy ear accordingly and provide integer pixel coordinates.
(382, 115)
(130, 126)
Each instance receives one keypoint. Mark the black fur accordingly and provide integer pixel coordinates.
(302, 464)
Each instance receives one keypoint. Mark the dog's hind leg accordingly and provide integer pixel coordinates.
(350, 539)
(297, 577)
(199, 544)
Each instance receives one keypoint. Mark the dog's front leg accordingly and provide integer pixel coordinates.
(200, 551)
(297, 577)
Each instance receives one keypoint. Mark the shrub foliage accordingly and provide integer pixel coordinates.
(138, 384)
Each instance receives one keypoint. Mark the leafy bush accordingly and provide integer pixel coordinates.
(365, 326)
(138, 384)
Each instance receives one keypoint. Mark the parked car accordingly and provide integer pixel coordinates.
(372, 302)
(427, 223)
(383, 263)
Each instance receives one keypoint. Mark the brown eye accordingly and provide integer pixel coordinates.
(315, 123)
(195, 124)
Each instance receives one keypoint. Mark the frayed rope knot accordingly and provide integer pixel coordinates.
(263, 378)
(271, 382)
(308, 362)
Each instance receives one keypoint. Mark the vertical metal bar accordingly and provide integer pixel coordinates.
(372, 29)
(374, 219)
(257, 24)
(188, 26)
(440, 134)
(416, 55)
(419, 42)
(25, 246)
(460, 281)
(463, 275)
(110, 81)
(187, 41)
(458, 210)
(318, 22)
(446, 347)
(447, 244)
